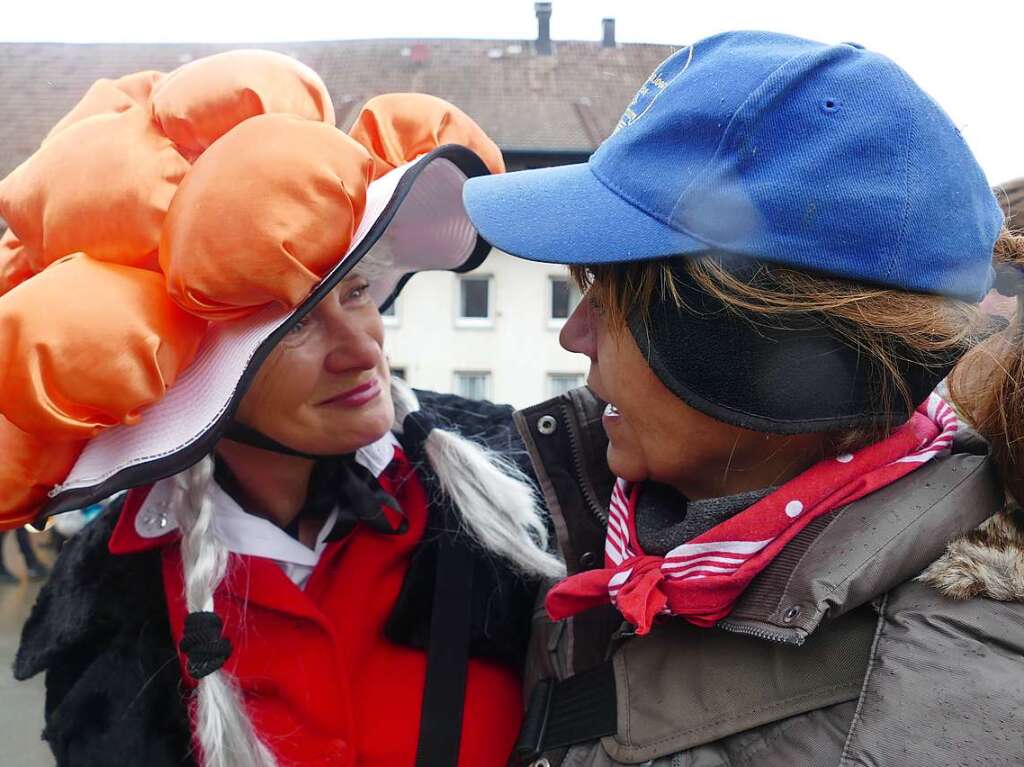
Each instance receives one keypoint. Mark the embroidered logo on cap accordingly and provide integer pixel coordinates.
(655, 85)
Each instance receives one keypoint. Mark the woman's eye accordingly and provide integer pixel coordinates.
(359, 292)
(299, 326)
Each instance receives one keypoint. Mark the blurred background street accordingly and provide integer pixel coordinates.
(20, 702)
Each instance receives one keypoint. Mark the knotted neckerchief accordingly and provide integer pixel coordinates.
(347, 485)
(701, 580)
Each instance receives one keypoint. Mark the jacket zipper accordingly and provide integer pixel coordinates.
(772, 636)
(595, 508)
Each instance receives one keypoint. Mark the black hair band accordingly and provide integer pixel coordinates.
(203, 644)
(417, 426)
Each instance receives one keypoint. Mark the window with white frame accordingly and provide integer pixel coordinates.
(560, 383)
(475, 305)
(473, 384)
(399, 372)
(564, 296)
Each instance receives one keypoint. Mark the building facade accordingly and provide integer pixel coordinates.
(490, 334)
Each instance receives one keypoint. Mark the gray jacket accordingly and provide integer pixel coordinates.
(840, 653)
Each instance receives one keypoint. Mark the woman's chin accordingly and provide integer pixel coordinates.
(364, 430)
(626, 466)
(376, 428)
(347, 431)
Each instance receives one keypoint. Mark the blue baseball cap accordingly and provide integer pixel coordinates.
(821, 157)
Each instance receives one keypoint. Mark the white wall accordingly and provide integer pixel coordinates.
(519, 349)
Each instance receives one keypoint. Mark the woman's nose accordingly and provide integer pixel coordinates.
(352, 352)
(352, 345)
(578, 331)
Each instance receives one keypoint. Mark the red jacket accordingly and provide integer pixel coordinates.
(321, 682)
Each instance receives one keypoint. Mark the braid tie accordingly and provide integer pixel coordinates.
(416, 428)
(204, 644)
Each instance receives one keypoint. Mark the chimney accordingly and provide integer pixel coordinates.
(608, 41)
(543, 28)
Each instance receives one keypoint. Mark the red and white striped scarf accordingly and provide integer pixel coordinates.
(701, 579)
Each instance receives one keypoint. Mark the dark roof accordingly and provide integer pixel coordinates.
(561, 104)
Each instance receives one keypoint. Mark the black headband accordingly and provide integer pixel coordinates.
(785, 375)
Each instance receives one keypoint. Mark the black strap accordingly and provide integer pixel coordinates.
(240, 432)
(562, 713)
(444, 691)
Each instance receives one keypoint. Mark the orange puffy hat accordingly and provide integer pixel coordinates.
(263, 216)
(110, 96)
(396, 128)
(87, 344)
(103, 179)
(101, 186)
(87, 340)
(201, 101)
(15, 267)
(231, 171)
(30, 467)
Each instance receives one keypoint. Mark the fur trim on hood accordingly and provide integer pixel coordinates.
(986, 562)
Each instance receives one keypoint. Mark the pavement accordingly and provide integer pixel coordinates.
(21, 703)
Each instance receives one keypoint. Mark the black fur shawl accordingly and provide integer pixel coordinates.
(100, 631)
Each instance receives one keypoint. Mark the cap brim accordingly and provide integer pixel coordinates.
(414, 213)
(565, 215)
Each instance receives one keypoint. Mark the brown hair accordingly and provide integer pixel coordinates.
(988, 384)
(888, 326)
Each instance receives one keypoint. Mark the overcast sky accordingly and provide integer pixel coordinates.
(965, 54)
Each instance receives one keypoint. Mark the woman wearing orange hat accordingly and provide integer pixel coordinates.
(307, 570)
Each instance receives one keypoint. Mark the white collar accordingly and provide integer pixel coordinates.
(244, 533)
(378, 455)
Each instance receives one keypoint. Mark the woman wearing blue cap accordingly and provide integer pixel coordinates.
(767, 515)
